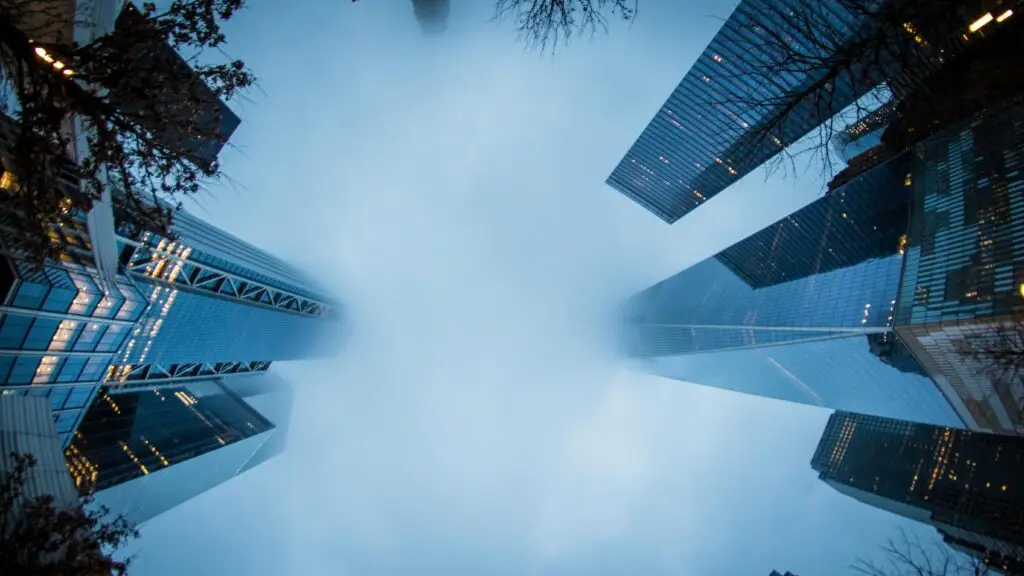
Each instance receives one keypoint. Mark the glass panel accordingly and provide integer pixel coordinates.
(58, 396)
(41, 333)
(13, 331)
(89, 337)
(112, 339)
(48, 367)
(87, 297)
(65, 421)
(24, 370)
(31, 295)
(72, 368)
(65, 335)
(94, 368)
(78, 397)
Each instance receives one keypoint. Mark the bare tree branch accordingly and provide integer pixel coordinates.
(543, 24)
(908, 556)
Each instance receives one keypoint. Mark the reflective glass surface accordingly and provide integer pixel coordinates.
(132, 434)
(832, 267)
(852, 373)
(706, 137)
(964, 278)
(185, 326)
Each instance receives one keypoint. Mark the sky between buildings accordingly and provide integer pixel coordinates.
(451, 190)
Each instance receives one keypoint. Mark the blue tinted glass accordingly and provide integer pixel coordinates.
(71, 369)
(79, 397)
(24, 370)
(40, 334)
(58, 396)
(13, 331)
(31, 295)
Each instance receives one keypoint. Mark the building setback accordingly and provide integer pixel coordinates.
(801, 311)
(969, 485)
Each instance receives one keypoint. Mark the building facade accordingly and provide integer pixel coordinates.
(969, 485)
(801, 311)
(61, 327)
(143, 452)
(964, 271)
(725, 117)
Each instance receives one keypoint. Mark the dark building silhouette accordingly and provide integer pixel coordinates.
(777, 573)
(432, 14)
(969, 485)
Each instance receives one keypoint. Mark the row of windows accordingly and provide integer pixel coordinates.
(23, 370)
(19, 332)
(61, 397)
(80, 297)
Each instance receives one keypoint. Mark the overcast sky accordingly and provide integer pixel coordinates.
(451, 191)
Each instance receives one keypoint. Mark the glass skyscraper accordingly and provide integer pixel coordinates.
(969, 485)
(709, 132)
(963, 283)
(801, 311)
(145, 451)
(61, 327)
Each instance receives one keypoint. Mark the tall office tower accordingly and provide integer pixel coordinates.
(62, 324)
(145, 451)
(800, 311)
(969, 485)
(708, 134)
(963, 285)
(171, 421)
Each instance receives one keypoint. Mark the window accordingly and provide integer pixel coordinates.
(87, 297)
(78, 397)
(112, 339)
(13, 331)
(94, 368)
(65, 421)
(43, 330)
(71, 369)
(89, 337)
(58, 396)
(107, 307)
(31, 295)
(59, 300)
(64, 336)
(24, 370)
(47, 369)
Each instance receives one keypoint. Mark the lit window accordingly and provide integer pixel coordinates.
(980, 22)
(716, 58)
(1004, 15)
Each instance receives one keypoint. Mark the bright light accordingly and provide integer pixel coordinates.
(68, 71)
(58, 65)
(42, 53)
(1004, 15)
(980, 22)
(1022, 290)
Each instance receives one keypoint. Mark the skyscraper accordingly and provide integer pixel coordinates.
(708, 134)
(800, 311)
(144, 451)
(963, 283)
(969, 485)
(171, 421)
